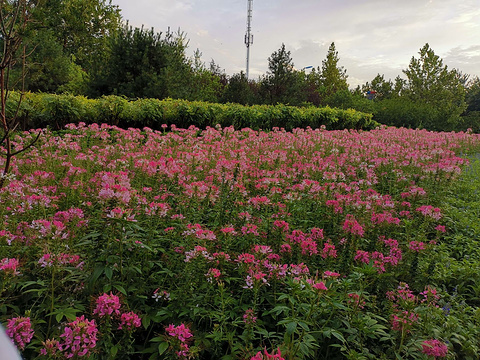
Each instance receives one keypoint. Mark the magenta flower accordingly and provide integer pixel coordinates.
(319, 286)
(352, 226)
(19, 329)
(107, 305)
(79, 338)
(267, 356)
(435, 348)
(129, 321)
(416, 246)
(9, 266)
(181, 332)
(213, 274)
(249, 317)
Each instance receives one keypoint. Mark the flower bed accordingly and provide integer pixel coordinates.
(227, 244)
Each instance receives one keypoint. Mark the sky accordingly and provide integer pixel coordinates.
(371, 36)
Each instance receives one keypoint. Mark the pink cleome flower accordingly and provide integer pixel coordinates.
(181, 332)
(129, 321)
(107, 305)
(267, 356)
(9, 266)
(79, 338)
(434, 348)
(352, 226)
(249, 317)
(19, 329)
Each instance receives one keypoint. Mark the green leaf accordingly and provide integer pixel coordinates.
(121, 289)
(162, 347)
(304, 326)
(96, 273)
(338, 335)
(291, 327)
(109, 273)
(113, 351)
(59, 316)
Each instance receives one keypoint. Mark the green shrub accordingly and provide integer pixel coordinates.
(41, 110)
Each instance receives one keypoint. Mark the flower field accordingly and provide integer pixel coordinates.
(241, 244)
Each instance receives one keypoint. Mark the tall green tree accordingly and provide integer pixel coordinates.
(473, 94)
(430, 82)
(136, 65)
(471, 117)
(381, 88)
(241, 90)
(67, 43)
(178, 71)
(83, 27)
(206, 83)
(280, 84)
(333, 77)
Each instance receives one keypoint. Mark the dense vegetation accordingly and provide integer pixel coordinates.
(220, 240)
(217, 244)
(84, 47)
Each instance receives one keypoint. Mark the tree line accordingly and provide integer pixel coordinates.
(83, 47)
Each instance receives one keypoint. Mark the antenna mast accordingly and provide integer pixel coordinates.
(248, 35)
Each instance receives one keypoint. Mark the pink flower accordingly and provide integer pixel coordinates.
(354, 299)
(362, 256)
(50, 347)
(331, 274)
(309, 247)
(441, 228)
(430, 296)
(416, 246)
(181, 332)
(319, 286)
(435, 348)
(213, 274)
(9, 266)
(285, 248)
(352, 226)
(249, 317)
(329, 250)
(267, 356)
(107, 305)
(19, 329)
(403, 320)
(129, 321)
(79, 338)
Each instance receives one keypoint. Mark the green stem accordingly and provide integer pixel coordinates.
(310, 311)
(52, 301)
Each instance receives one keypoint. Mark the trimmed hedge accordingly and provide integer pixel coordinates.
(42, 110)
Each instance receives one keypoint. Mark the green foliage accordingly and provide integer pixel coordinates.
(431, 83)
(333, 78)
(66, 41)
(403, 112)
(41, 110)
(135, 66)
(281, 83)
(240, 90)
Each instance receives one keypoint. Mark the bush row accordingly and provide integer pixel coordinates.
(41, 110)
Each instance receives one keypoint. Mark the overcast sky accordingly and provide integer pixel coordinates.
(371, 36)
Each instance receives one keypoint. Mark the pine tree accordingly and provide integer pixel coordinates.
(278, 86)
(333, 77)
